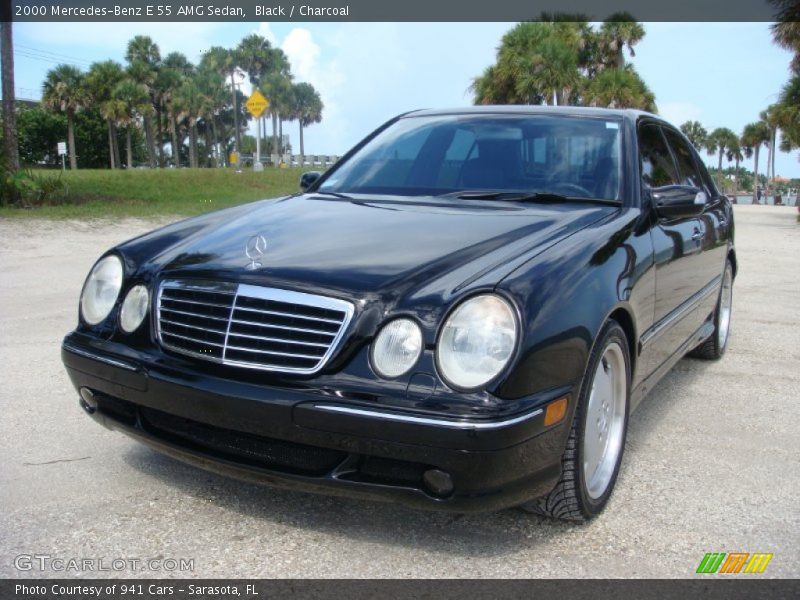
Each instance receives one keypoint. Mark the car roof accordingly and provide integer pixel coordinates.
(526, 109)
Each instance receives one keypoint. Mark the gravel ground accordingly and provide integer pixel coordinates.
(711, 462)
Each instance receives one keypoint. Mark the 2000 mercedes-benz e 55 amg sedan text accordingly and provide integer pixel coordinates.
(460, 314)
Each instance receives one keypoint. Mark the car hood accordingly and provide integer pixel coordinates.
(364, 247)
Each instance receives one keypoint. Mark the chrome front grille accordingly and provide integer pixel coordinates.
(250, 326)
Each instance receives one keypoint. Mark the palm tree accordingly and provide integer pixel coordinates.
(174, 69)
(223, 61)
(189, 102)
(696, 133)
(132, 101)
(789, 114)
(10, 142)
(63, 91)
(307, 109)
(737, 153)
(619, 88)
(619, 31)
(143, 58)
(719, 142)
(101, 80)
(786, 29)
(772, 116)
(213, 95)
(255, 55)
(278, 88)
(753, 137)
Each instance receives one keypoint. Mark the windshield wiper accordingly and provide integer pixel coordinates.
(335, 194)
(530, 197)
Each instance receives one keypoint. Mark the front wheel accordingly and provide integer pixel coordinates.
(591, 460)
(714, 347)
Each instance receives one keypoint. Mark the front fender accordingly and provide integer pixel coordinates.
(567, 293)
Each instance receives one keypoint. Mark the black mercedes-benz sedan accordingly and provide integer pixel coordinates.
(460, 314)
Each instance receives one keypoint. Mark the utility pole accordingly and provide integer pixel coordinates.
(9, 116)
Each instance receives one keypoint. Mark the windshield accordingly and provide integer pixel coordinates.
(549, 154)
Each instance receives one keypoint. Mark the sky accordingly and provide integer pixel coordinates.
(721, 74)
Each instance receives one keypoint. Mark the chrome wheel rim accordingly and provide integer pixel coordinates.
(725, 306)
(605, 421)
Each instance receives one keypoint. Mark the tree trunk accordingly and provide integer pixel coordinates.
(769, 161)
(73, 159)
(302, 148)
(280, 135)
(173, 130)
(193, 146)
(151, 144)
(111, 143)
(235, 116)
(274, 150)
(209, 147)
(755, 175)
(160, 130)
(736, 179)
(115, 137)
(216, 143)
(129, 146)
(719, 169)
(10, 141)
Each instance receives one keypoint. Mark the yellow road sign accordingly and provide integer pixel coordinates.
(257, 104)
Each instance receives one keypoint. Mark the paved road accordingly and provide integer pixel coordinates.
(711, 464)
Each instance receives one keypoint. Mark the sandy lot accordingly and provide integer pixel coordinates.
(712, 461)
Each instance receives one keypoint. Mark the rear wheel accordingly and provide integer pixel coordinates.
(714, 347)
(591, 460)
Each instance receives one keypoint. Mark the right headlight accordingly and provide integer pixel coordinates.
(397, 348)
(101, 290)
(477, 341)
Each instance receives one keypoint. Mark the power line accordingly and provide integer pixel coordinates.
(48, 54)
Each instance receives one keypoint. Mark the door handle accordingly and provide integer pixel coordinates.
(697, 235)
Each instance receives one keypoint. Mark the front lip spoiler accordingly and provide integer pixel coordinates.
(465, 425)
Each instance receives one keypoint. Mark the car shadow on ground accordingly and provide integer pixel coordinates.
(472, 535)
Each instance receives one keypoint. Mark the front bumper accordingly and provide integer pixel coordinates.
(309, 439)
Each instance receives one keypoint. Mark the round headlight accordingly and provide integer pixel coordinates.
(134, 308)
(101, 290)
(396, 348)
(477, 341)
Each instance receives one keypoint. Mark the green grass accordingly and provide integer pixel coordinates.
(160, 192)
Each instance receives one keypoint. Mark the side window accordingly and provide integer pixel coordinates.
(687, 167)
(658, 168)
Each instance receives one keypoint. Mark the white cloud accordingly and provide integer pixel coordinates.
(265, 31)
(302, 52)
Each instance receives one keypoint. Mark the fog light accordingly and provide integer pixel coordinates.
(88, 401)
(438, 482)
(555, 412)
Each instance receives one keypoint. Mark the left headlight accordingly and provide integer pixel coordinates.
(101, 290)
(134, 308)
(477, 341)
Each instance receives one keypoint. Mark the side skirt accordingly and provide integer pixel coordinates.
(641, 390)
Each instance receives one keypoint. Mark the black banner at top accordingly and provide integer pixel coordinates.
(382, 10)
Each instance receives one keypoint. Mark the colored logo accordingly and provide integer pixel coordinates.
(734, 562)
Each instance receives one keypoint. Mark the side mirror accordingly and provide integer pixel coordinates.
(675, 201)
(309, 179)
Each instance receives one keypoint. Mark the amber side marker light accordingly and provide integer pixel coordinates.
(555, 412)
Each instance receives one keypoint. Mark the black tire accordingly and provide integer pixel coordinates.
(714, 347)
(570, 499)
